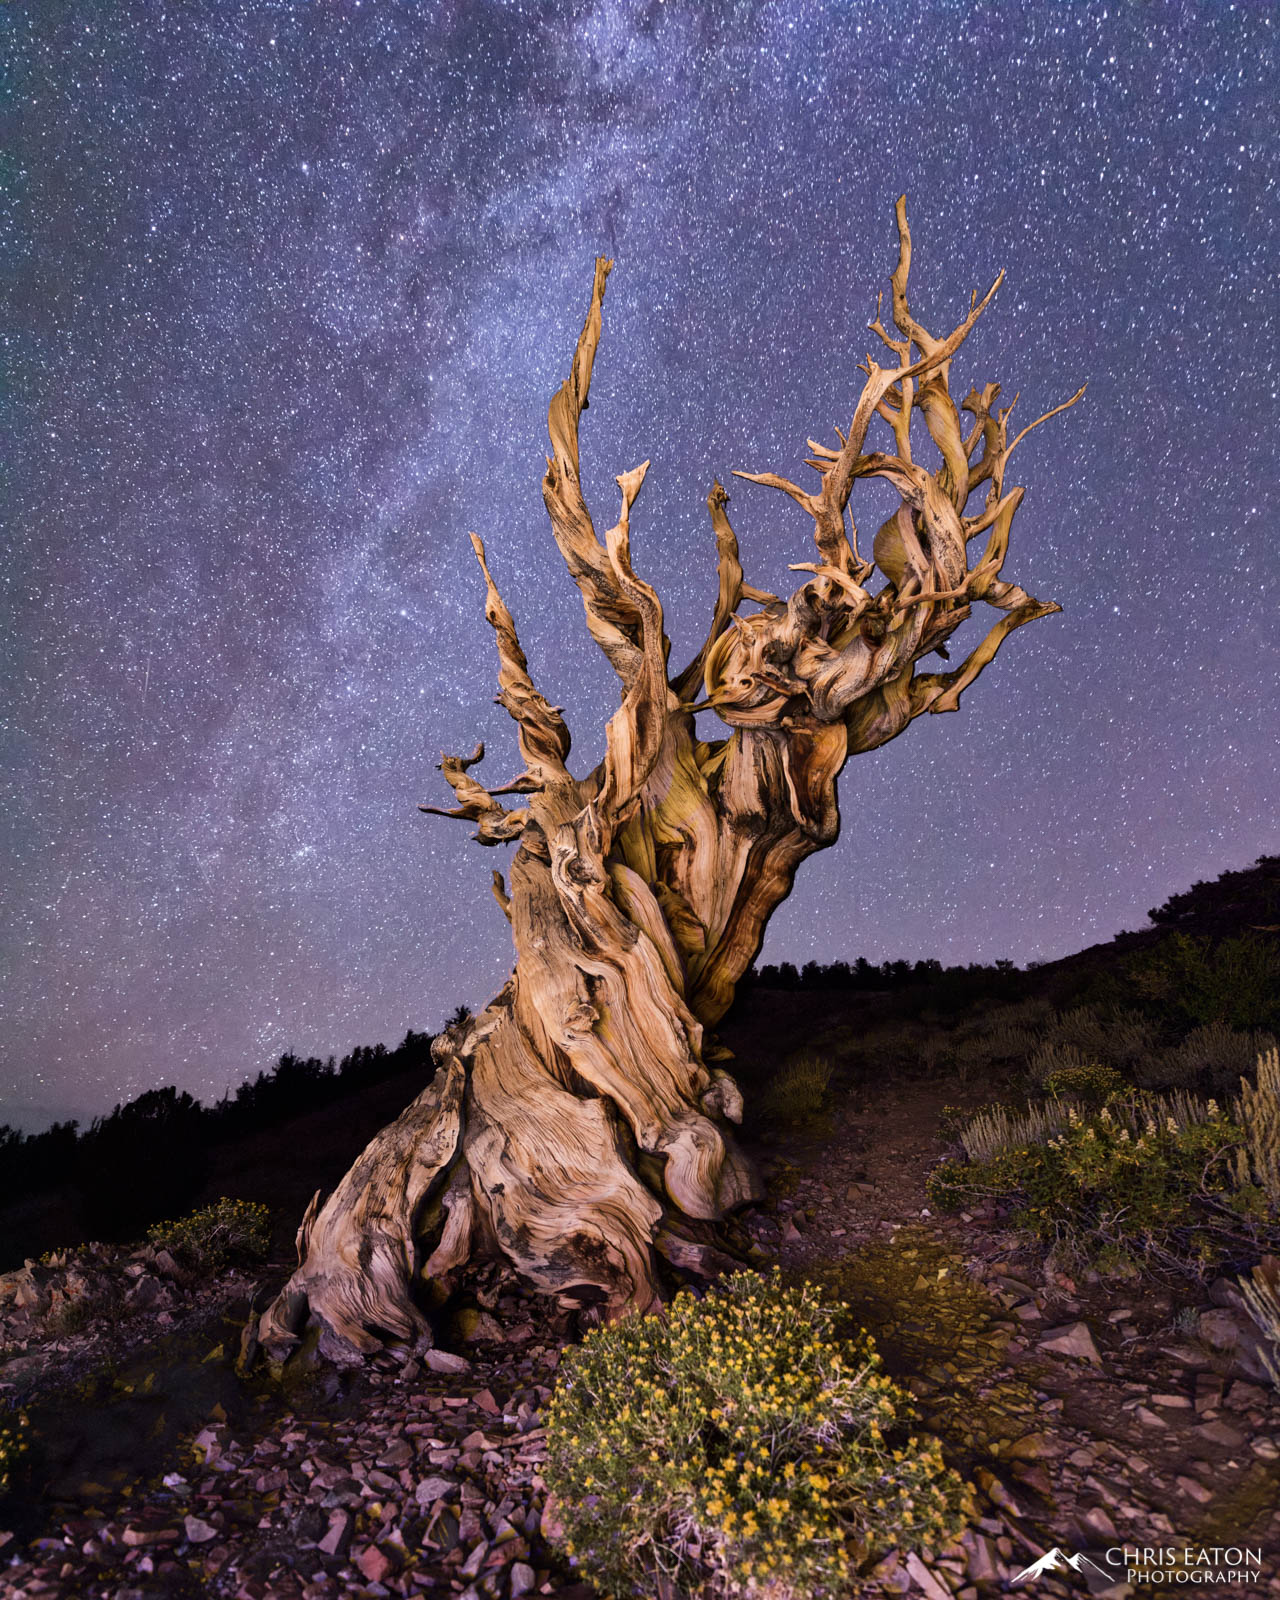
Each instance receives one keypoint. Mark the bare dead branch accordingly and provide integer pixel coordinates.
(543, 736)
(612, 621)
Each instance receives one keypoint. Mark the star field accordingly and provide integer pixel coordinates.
(288, 287)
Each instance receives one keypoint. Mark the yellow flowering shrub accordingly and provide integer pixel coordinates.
(1091, 1083)
(225, 1232)
(14, 1443)
(735, 1446)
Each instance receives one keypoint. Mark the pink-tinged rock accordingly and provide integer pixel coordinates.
(1219, 1433)
(432, 1489)
(445, 1361)
(199, 1532)
(552, 1524)
(1099, 1524)
(209, 1444)
(1073, 1339)
(374, 1563)
(1220, 1329)
(338, 1538)
(144, 1536)
(470, 1568)
(523, 1578)
(486, 1402)
(925, 1579)
(981, 1566)
(1033, 1447)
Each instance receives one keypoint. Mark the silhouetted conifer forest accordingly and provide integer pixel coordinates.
(1210, 953)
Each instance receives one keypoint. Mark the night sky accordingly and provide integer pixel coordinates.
(288, 287)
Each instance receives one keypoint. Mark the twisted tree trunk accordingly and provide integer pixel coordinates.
(581, 1126)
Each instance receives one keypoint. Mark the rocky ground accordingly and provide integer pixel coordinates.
(1085, 1416)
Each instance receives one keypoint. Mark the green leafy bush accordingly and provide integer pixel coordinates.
(15, 1438)
(226, 1232)
(1235, 981)
(736, 1446)
(1167, 1180)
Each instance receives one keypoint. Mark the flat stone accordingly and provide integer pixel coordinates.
(1241, 1396)
(1035, 1478)
(338, 1539)
(375, 1563)
(981, 1565)
(551, 1525)
(1097, 1522)
(1073, 1339)
(199, 1532)
(1219, 1433)
(924, 1579)
(1033, 1447)
(432, 1489)
(1193, 1490)
(445, 1361)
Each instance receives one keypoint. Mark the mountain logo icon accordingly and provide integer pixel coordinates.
(1056, 1560)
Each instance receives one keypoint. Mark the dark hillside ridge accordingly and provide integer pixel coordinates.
(153, 1158)
(295, 1128)
(1236, 903)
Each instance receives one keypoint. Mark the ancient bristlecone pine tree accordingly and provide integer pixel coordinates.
(580, 1125)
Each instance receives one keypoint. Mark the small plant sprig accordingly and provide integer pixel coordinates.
(736, 1446)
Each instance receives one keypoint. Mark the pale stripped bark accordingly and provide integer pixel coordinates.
(581, 1126)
